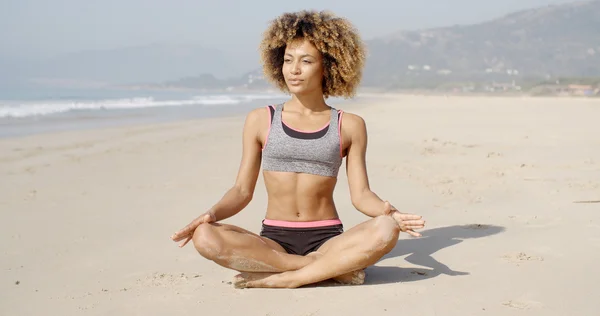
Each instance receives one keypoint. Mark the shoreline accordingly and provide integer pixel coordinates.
(102, 119)
(115, 118)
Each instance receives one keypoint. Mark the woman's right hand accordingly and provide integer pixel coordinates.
(187, 232)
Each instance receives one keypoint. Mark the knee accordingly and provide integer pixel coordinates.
(207, 241)
(384, 233)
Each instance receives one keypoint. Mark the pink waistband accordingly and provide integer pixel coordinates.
(327, 222)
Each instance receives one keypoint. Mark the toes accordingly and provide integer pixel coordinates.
(240, 281)
(358, 277)
(353, 278)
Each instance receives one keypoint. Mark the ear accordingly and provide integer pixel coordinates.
(325, 64)
(324, 79)
(325, 71)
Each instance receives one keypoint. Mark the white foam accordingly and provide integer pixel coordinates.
(41, 108)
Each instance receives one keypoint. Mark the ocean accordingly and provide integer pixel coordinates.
(28, 112)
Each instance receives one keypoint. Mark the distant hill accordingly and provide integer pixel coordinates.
(253, 80)
(559, 40)
(147, 63)
(522, 48)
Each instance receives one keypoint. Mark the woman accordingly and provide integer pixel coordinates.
(301, 144)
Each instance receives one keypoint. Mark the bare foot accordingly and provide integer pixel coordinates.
(245, 279)
(276, 280)
(353, 278)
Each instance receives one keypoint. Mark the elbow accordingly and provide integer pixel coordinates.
(356, 203)
(357, 199)
(245, 194)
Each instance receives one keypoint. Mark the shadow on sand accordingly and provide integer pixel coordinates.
(420, 251)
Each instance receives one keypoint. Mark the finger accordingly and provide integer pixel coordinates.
(178, 236)
(414, 222)
(183, 233)
(181, 237)
(193, 225)
(185, 242)
(410, 217)
(413, 233)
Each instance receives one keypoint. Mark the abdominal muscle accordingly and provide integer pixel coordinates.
(299, 197)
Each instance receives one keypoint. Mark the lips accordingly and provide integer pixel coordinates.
(294, 81)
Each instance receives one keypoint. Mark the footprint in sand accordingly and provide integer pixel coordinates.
(587, 202)
(31, 195)
(537, 221)
(584, 186)
(494, 154)
(164, 279)
(518, 257)
(429, 151)
(518, 304)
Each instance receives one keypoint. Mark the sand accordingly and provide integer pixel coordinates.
(508, 186)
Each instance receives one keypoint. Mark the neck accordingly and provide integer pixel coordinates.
(314, 102)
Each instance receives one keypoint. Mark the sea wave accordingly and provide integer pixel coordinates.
(15, 109)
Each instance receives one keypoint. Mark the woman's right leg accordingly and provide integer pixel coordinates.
(241, 250)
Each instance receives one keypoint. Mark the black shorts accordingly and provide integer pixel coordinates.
(301, 240)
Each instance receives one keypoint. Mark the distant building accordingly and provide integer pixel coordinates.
(581, 90)
(503, 86)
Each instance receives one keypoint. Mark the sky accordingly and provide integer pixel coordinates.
(42, 28)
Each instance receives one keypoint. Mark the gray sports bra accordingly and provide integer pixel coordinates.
(289, 150)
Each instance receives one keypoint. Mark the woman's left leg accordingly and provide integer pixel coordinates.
(353, 250)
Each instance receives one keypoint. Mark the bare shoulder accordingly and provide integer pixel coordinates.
(257, 123)
(354, 132)
(353, 124)
(257, 119)
(257, 115)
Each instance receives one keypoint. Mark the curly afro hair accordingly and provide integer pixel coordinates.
(341, 47)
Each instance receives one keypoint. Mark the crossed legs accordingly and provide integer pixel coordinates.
(264, 263)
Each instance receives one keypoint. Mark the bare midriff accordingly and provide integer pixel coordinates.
(299, 197)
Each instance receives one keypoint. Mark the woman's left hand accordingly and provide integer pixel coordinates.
(407, 222)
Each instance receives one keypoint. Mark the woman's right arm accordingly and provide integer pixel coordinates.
(241, 193)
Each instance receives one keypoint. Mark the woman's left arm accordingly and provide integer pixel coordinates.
(363, 199)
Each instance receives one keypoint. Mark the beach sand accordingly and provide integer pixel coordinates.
(507, 186)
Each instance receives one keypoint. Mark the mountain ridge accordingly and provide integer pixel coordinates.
(527, 46)
(557, 40)
(542, 43)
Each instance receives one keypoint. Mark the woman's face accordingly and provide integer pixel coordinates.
(303, 68)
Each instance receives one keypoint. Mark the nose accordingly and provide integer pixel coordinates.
(295, 69)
